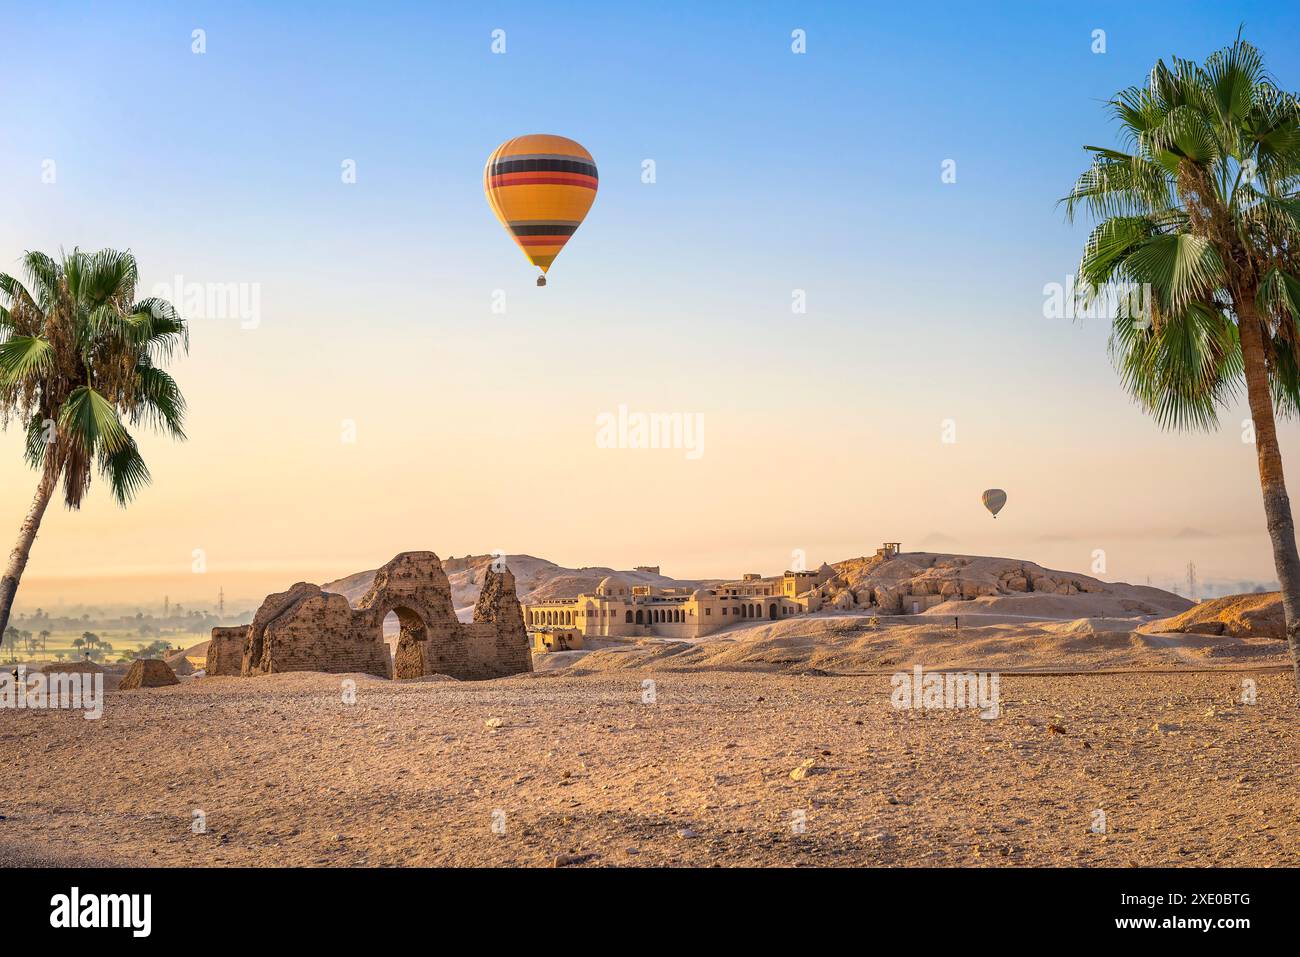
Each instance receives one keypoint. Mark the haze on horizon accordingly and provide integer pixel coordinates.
(476, 431)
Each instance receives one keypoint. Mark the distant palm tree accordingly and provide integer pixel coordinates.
(1202, 211)
(79, 362)
(45, 637)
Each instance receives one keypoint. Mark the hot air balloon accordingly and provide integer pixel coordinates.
(540, 187)
(994, 499)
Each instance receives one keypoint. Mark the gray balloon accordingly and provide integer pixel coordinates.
(994, 499)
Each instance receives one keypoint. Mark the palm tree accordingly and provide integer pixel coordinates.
(1200, 211)
(45, 637)
(79, 362)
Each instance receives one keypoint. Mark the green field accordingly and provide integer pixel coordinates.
(124, 643)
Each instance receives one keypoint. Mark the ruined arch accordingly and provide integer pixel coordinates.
(309, 629)
(408, 653)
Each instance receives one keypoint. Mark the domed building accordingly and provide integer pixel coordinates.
(611, 586)
(620, 608)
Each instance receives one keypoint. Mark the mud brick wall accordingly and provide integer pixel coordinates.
(307, 629)
(498, 606)
(483, 659)
(322, 634)
(226, 651)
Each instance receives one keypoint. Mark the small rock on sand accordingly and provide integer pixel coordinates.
(802, 771)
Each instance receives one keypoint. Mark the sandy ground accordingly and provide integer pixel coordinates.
(851, 642)
(573, 767)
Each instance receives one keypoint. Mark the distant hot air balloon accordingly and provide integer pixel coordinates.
(540, 187)
(994, 499)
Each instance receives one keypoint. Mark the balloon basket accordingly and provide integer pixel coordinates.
(541, 280)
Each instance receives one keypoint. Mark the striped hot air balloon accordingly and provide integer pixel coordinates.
(540, 187)
(994, 499)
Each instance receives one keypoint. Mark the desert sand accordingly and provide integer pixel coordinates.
(573, 766)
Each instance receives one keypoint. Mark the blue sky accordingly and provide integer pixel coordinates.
(775, 172)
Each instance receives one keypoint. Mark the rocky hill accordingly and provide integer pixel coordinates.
(970, 583)
(964, 584)
(536, 580)
(1238, 616)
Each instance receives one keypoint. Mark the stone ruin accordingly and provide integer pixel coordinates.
(307, 629)
(226, 651)
(148, 673)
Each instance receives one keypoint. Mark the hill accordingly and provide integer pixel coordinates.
(966, 584)
(535, 580)
(1239, 616)
(948, 584)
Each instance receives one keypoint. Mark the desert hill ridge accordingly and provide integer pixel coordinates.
(536, 579)
(960, 584)
(1254, 615)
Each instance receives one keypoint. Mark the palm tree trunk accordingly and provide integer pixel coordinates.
(26, 536)
(1277, 505)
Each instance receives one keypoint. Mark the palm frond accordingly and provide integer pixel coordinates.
(1186, 133)
(125, 471)
(89, 421)
(19, 297)
(1182, 372)
(1119, 184)
(108, 277)
(43, 273)
(1180, 268)
(1233, 74)
(36, 439)
(1111, 242)
(1284, 377)
(158, 327)
(24, 357)
(159, 401)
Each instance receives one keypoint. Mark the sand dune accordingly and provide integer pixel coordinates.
(851, 644)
